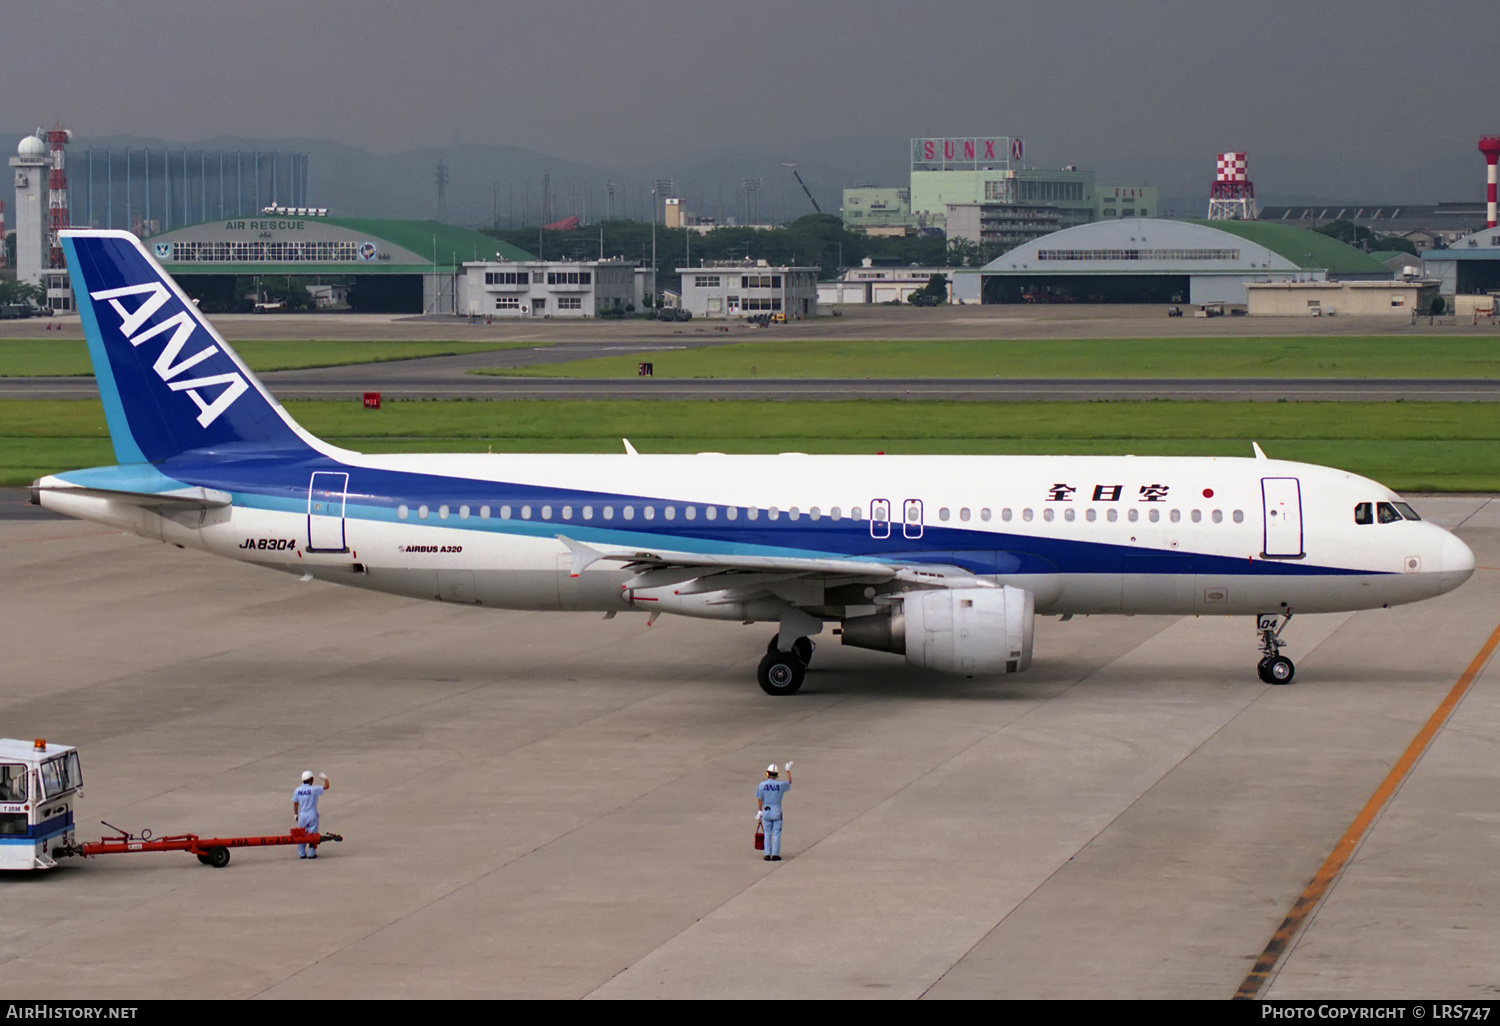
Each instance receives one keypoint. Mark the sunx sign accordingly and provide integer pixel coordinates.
(215, 393)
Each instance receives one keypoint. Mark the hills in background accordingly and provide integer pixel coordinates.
(504, 184)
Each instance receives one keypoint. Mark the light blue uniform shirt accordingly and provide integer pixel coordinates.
(770, 793)
(306, 798)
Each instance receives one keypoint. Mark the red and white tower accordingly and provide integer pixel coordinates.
(1232, 196)
(1490, 147)
(57, 195)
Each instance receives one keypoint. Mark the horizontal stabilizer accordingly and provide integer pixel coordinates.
(168, 502)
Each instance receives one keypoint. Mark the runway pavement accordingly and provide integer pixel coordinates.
(553, 805)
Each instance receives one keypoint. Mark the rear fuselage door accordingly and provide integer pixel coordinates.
(325, 512)
(1283, 517)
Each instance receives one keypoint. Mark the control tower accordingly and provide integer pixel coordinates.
(31, 164)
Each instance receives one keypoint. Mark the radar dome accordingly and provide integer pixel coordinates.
(31, 146)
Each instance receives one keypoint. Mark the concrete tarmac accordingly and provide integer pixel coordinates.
(552, 805)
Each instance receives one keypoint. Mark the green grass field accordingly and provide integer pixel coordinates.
(30, 357)
(1444, 356)
(1409, 446)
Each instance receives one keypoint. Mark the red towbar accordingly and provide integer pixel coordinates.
(211, 851)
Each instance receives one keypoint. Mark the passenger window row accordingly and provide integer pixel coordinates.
(628, 512)
(1111, 515)
(1384, 512)
(712, 513)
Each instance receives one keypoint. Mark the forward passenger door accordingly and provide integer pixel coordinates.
(1283, 517)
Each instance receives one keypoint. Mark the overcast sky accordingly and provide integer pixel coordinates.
(1366, 98)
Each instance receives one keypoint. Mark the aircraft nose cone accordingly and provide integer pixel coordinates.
(1458, 562)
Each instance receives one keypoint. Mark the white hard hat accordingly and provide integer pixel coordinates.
(772, 768)
(307, 775)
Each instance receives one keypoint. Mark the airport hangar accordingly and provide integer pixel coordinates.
(396, 266)
(1469, 266)
(1160, 261)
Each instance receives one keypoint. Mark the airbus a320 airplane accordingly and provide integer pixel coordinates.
(945, 559)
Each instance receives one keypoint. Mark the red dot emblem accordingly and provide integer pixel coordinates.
(1208, 493)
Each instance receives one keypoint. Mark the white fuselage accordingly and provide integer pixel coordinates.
(1084, 534)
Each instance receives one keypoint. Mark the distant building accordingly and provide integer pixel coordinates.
(724, 288)
(987, 180)
(1401, 263)
(1001, 225)
(1128, 201)
(871, 284)
(1342, 298)
(1070, 193)
(546, 288)
(406, 266)
(1423, 225)
(31, 163)
(1469, 266)
(1158, 261)
(870, 209)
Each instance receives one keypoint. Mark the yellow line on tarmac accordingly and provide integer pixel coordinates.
(1304, 906)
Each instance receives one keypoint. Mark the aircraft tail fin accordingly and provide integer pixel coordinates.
(168, 381)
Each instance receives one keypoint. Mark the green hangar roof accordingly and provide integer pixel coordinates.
(1309, 250)
(290, 244)
(423, 236)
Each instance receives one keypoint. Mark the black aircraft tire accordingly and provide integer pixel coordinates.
(780, 673)
(1280, 670)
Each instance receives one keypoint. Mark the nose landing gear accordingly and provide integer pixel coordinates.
(1274, 668)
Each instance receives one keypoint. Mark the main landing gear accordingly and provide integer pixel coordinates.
(1274, 668)
(781, 673)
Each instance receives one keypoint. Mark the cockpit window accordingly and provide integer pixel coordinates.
(1406, 511)
(1386, 513)
(1364, 512)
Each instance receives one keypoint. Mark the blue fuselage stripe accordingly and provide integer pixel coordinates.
(265, 482)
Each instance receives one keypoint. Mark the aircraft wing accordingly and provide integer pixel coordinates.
(694, 564)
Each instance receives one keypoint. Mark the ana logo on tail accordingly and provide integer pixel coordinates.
(168, 365)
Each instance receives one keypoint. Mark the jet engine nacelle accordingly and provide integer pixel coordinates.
(957, 630)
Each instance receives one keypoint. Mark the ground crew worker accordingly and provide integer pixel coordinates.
(305, 809)
(768, 801)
